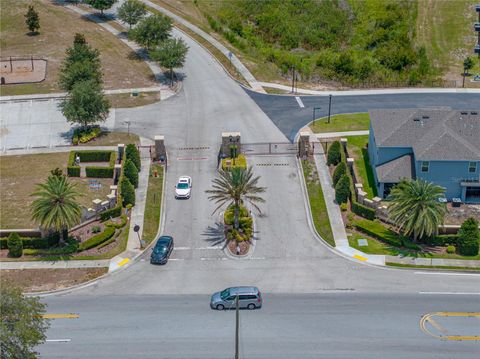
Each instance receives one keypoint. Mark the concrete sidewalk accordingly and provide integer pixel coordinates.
(335, 216)
(369, 92)
(340, 134)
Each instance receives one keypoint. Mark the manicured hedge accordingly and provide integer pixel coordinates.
(361, 210)
(334, 155)
(72, 247)
(72, 171)
(34, 242)
(132, 154)
(380, 232)
(15, 245)
(98, 239)
(99, 172)
(111, 213)
(442, 240)
(117, 225)
(94, 156)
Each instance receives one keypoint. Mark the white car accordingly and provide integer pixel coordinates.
(183, 188)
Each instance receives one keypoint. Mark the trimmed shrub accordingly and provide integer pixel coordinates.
(72, 247)
(380, 232)
(83, 135)
(94, 156)
(97, 239)
(469, 238)
(99, 172)
(34, 242)
(442, 240)
(343, 207)
(240, 162)
(132, 154)
(15, 245)
(111, 213)
(72, 171)
(131, 172)
(123, 222)
(128, 192)
(334, 156)
(340, 170)
(342, 189)
(451, 249)
(361, 210)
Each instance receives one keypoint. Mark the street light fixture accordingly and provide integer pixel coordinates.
(329, 106)
(128, 126)
(314, 109)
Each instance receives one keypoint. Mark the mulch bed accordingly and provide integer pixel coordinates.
(244, 247)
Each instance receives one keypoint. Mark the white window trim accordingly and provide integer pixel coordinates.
(475, 167)
(428, 166)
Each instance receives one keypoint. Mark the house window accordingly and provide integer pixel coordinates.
(472, 167)
(425, 166)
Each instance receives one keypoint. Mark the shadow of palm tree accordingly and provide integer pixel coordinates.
(215, 235)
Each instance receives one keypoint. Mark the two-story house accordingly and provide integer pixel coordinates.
(439, 145)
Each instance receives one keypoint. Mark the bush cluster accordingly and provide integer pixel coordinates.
(34, 242)
(15, 245)
(334, 155)
(132, 154)
(97, 239)
(469, 238)
(240, 162)
(83, 135)
(123, 222)
(340, 170)
(111, 213)
(245, 222)
(342, 189)
(130, 171)
(128, 192)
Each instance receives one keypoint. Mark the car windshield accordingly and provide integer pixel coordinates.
(225, 294)
(182, 185)
(160, 249)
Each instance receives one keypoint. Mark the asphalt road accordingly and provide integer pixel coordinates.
(331, 325)
(289, 117)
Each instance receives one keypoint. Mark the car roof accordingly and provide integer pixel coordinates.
(183, 178)
(164, 240)
(240, 290)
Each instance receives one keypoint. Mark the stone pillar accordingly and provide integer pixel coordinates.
(160, 151)
(361, 195)
(350, 162)
(377, 202)
(121, 151)
(304, 145)
(343, 142)
(230, 139)
(113, 189)
(112, 200)
(97, 205)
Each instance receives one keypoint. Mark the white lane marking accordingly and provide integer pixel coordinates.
(212, 247)
(299, 101)
(58, 340)
(443, 273)
(450, 293)
(176, 259)
(214, 259)
(257, 258)
(180, 248)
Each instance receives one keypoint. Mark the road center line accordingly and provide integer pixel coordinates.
(450, 293)
(181, 248)
(444, 273)
(299, 101)
(58, 340)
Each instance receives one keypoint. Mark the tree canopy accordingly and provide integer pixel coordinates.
(32, 19)
(131, 12)
(151, 31)
(170, 53)
(100, 4)
(22, 326)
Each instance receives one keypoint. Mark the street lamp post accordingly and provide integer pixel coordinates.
(128, 127)
(329, 106)
(314, 109)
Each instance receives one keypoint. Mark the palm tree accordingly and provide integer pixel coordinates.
(55, 206)
(234, 187)
(415, 208)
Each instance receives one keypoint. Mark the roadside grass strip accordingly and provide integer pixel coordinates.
(428, 324)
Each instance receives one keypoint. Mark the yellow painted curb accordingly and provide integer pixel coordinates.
(428, 318)
(359, 257)
(60, 316)
(123, 262)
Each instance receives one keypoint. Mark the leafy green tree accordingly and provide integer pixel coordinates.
(22, 326)
(334, 155)
(469, 238)
(467, 65)
(128, 192)
(15, 245)
(151, 31)
(415, 208)
(342, 189)
(132, 154)
(32, 20)
(100, 4)
(233, 188)
(170, 53)
(131, 12)
(340, 170)
(55, 206)
(81, 52)
(131, 172)
(77, 72)
(85, 104)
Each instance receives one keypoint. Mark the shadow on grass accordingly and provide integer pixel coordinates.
(369, 171)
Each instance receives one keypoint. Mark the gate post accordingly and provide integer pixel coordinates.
(304, 145)
(160, 152)
(230, 139)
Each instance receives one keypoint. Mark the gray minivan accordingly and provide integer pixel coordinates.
(248, 297)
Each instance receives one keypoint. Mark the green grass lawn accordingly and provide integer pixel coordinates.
(113, 139)
(153, 204)
(317, 203)
(363, 170)
(374, 246)
(339, 123)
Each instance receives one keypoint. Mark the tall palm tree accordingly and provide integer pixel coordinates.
(415, 208)
(55, 206)
(234, 187)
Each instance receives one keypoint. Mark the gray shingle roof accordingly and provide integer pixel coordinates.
(434, 134)
(396, 170)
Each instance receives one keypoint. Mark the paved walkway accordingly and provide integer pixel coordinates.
(57, 95)
(370, 92)
(341, 134)
(247, 75)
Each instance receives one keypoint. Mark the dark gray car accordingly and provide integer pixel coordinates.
(248, 297)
